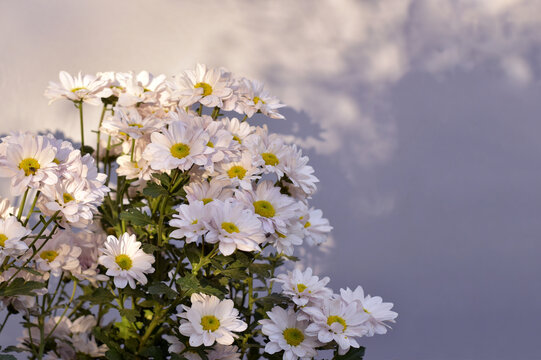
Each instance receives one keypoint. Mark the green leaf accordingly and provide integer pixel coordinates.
(125, 329)
(271, 300)
(188, 284)
(20, 287)
(113, 355)
(7, 357)
(130, 314)
(136, 217)
(263, 270)
(154, 190)
(162, 289)
(353, 354)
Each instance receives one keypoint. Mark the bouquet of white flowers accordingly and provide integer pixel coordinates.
(167, 238)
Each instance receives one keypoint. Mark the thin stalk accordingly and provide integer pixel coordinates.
(75, 282)
(5, 321)
(21, 205)
(80, 106)
(132, 149)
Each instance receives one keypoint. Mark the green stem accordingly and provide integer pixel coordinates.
(31, 208)
(215, 112)
(5, 321)
(244, 118)
(21, 206)
(156, 320)
(75, 282)
(132, 149)
(80, 106)
(99, 135)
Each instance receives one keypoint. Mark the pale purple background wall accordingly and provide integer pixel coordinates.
(421, 118)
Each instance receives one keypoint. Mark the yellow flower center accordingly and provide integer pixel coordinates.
(195, 222)
(336, 319)
(236, 171)
(206, 200)
(180, 150)
(3, 239)
(67, 198)
(48, 255)
(307, 224)
(258, 99)
(77, 89)
(264, 208)
(280, 235)
(30, 166)
(366, 311)
(123, 261)
(56, 161)
(270, 159)
(210, 144)
(301, 287)
(293, 336)
(210, 323)
(207, 89)
(236, 138)
(136, 125)
(230, 227)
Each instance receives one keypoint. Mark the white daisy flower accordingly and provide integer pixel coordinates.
(234, 227)
(190, 221)
(141, 88)
(304, 288)
(224, 148)
(207, 191)
(88, 88)
(208, 86)
(240, 173)
(29, 162)
(177, 147)
(379, 312)
(239, 130)
(126, 261)
(338, 321)
(89, 241)
(254, 98)
(138, 169)
(298, 172)
(210, 320)
(269, 150)
(316, 227)
(128, 122)
(286, 332)
(58, 255)
(11, 233)
(284, 242)
(224, 352)
(275, 210)
(175, 347)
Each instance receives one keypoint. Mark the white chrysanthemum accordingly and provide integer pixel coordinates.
(239, 130)
(127, 122)
(11, 233)
(338, 321)
(138, 169)
(378, 311)
(29, 162)
(296, 168)
(57, 328)
(254, 98)
(234, 227)
(270, 150)
(284, 242)
(89, 241)
(316, 227)
(126, 261)
(76, 204)
(178, 146)
(208, 86)
(190, 221)
(82, 339)
(141, 88)
(206, 191)
(224, 352)
(303, 287)
(210, 320)
(224, 148)
(286, 332)
(275, 210)
(58, 255)
(88, 88)
(240, 173)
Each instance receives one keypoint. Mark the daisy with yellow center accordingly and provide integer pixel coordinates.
(11, 235)
(288, 333)
(240, 173)
(303, 287)
(190, 221)
(254, 98)
(87, 88)
(126, 261)
(210, 320)
(58, 254)
(128, 122)
(208, 191)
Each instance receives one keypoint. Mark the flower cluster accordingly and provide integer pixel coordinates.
(163, 241)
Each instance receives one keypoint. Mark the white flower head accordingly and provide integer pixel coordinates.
(338, 321)
(190, 221)
(304, 288)
(210, 320)
(286, 332)
(126, 261)
(379, 312)
(141, 88)
(29, 161)
(233, 227)
(207, 191)
(240, 173)
(179, 146)
(254, 98)
(316, 227)
(296, 167)
(208, 86)
(239, 130)
(87, 88)
(58, 255)
(284, 242)
(274, 209)
(11, 234)
(128, 122)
